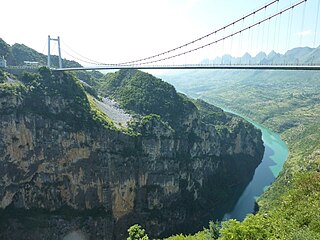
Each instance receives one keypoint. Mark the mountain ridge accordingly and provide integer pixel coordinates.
(299, 55)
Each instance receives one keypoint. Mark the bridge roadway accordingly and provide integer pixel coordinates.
(196, 66)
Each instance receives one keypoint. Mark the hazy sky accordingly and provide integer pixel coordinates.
(121, 30)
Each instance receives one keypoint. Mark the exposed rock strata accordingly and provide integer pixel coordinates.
(99, 181)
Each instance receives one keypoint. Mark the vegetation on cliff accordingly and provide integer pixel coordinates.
(3, 76)
(12, 89)
(59, 99)
(57, 96)
(186, 160)
(156, 100)
(145, 94)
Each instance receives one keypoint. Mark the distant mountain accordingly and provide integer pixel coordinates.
(301, 55)
(289, 103)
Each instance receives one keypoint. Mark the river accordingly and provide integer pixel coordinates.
(276, 153)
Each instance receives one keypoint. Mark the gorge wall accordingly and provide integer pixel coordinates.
(63, 173)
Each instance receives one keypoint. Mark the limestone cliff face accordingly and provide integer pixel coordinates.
(56, 179)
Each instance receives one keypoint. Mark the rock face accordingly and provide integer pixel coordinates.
(57, 180)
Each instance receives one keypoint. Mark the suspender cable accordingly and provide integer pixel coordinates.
(231, 42)
(252, 32)
(265, 14)
(241, 37)
(221, 39)
(302, 23)
(222, 46)
(316, 29)
(257, 40)
(268, 35)
(86, 60)
(275, 30)
(203, 37)
(44, 47)
(289, 27)
(279, 31)
(78, 59)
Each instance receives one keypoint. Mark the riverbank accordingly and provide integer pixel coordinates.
(275, 155)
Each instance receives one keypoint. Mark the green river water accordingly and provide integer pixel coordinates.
(276, 153)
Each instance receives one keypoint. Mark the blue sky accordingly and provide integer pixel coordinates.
(121, 30)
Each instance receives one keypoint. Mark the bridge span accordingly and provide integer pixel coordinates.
(251, 32)
(197, 66)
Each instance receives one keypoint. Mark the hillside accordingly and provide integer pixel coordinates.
(18, 53)
(70, 168)
(144, 94)
(288, 103)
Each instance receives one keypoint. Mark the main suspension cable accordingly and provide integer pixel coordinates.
(221, 39)
(201, 38)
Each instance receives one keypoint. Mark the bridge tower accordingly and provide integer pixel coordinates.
(59, 50)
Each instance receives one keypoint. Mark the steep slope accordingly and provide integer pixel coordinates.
(191, 123)
(144, 94)
(67, 168)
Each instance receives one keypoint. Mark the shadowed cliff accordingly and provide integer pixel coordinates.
(68, 167)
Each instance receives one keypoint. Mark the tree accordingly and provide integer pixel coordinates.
(214, 230)
(137, 233)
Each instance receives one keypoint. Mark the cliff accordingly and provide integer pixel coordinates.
(67, 169)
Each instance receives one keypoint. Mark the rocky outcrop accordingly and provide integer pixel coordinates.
(57, 179)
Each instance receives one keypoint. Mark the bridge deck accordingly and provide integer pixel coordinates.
(197, 66)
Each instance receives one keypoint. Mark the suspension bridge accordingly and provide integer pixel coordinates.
(252, 28)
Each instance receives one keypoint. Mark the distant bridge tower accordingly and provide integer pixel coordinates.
(49, 56)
